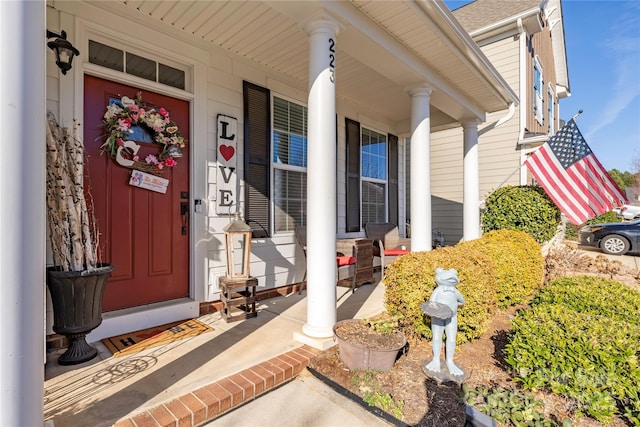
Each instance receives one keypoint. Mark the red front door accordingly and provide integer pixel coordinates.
(143, 233)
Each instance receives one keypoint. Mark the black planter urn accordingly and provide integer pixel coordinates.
(77, 308)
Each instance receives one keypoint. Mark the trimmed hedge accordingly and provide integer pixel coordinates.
(581, 340)
(518, 262)
(522, 208)
(410, 281)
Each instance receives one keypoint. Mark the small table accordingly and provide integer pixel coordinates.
(238, 297)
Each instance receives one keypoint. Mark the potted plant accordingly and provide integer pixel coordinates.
(369, 343)
(76, 281)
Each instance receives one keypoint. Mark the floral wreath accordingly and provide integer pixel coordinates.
(119, 120)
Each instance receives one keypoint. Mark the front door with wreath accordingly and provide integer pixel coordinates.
(138, 172)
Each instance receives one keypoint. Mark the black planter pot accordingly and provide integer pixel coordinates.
(77, 308)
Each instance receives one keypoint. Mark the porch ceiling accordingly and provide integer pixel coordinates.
(383, 48)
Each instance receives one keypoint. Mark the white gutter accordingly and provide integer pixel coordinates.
(505, 22)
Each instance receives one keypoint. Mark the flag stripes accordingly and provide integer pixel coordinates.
(572, 176)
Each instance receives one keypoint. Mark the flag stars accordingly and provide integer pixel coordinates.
(568, 145)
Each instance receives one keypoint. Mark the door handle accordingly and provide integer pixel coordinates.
(184, 211)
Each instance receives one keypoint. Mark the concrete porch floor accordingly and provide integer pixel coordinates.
(198, 379)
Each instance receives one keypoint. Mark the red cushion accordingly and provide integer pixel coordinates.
(396, 252)
(345, 260)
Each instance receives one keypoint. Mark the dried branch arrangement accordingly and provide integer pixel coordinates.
(71, 235)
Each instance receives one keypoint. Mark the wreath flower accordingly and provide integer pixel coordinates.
(119, 121)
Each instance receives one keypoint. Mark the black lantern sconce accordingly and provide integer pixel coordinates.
(64, 50)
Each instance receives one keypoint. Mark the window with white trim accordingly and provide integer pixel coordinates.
(538, 91)
(551, 107)
(275, 163)
(289, 162)
(374, 176)
(371, 176)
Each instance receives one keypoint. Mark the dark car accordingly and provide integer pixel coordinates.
(616, 238)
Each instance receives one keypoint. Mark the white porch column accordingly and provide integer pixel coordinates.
(471, 183)
(420, 169)
(321, 180)
(22, 216)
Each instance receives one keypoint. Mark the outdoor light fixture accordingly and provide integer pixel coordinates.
(64, 50)
(238, 247)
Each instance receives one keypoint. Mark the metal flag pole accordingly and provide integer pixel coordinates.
(575, 117)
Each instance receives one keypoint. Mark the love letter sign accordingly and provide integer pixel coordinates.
(226, 182)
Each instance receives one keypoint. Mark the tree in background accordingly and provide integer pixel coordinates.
(624, 179)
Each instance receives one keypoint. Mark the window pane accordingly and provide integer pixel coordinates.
(170, 76)
(290, 133)
(141, 67)
(374, 155)
(106, 56)
(290, 199)
(373, 202)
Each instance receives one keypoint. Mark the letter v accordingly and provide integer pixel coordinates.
(226, 177)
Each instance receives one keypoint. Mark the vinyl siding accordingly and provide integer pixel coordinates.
(497, 150)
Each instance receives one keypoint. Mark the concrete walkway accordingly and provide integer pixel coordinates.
(196, 380)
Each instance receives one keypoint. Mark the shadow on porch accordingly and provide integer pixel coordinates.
(197, 379)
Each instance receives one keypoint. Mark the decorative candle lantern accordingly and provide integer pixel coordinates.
(238, 247)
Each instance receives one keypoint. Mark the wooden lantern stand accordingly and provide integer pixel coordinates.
(238, 288)
(238, 298)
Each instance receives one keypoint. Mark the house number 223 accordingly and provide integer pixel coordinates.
(332, 60)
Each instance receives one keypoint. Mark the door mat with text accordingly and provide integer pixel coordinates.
(133, 342)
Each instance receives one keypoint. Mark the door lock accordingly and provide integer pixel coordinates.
(184, 211)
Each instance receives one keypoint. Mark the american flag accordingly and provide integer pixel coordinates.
(573, 177)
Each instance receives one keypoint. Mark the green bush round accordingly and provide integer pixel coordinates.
(410, 281)
(518, 262)
(522, 208)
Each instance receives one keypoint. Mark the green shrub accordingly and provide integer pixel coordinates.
(571, 232)
(522, 208)
(508, 406)
(580, 340)
(518, 262)
(593, 295)
(410, 281)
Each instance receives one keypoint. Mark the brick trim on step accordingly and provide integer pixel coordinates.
(214, 400)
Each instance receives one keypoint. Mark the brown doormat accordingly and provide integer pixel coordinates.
(133, 342)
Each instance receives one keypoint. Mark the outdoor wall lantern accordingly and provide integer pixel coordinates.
(64, 50)
(238, 247)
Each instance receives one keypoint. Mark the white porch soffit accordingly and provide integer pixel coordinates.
(383, 48)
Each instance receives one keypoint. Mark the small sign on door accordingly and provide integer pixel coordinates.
(148, 181)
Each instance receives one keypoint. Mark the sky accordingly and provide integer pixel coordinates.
(602, 40)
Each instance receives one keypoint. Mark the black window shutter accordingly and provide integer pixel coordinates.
(353, 175)
(392, 142)
(257, 138)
